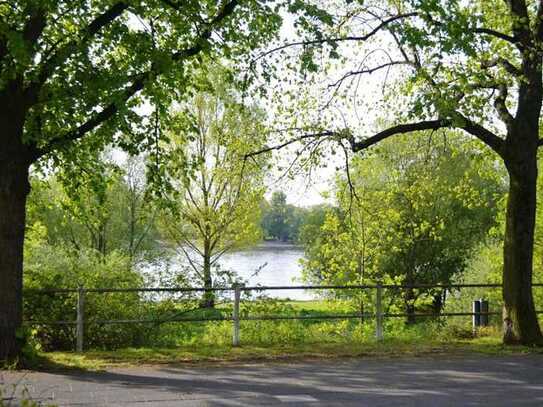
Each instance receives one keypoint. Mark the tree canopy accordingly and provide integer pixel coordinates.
(74, 77)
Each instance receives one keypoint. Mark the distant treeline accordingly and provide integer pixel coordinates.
(289, 223)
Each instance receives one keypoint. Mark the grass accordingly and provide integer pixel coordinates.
(214, 354)
(210, 342)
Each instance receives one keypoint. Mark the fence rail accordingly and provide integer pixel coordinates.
(263, 288)
(236, 317)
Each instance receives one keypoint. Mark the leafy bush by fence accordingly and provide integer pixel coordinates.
(121, 317)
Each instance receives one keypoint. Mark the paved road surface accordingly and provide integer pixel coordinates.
(437, 381)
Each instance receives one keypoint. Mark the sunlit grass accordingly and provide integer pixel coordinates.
(406, 346)
(211, 342)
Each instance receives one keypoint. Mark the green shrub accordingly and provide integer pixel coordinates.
(52, 267)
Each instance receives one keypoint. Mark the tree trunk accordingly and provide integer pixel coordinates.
(208, 299)
(14, 188)
(520, 320)
(409, 300)
(438, 303)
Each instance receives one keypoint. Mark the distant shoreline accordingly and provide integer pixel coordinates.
(272, 245)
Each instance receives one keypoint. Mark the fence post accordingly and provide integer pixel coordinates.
(379, 312)
(237, 295)
(80, 319)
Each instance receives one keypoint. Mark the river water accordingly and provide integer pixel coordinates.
(269, 264)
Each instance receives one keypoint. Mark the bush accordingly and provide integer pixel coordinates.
(53, 267)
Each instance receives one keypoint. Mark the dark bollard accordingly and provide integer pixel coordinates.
(476, 309)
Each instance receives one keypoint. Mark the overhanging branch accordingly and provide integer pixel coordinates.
(483, 134)
(369, 71)
(496, 34)
(399, 129)
(333, 40)
(289, 142)
(137, 84)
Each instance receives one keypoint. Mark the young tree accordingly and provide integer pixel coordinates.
(214, 207)
(474, 66)
(73, 71)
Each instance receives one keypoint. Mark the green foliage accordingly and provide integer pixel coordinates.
(78, 59)
(212, 205)
(287, 223)
(278, 220)
(274, 220)
(486, 264)
(52, 267)
(417, 213)
(106, 210)
(313, 220)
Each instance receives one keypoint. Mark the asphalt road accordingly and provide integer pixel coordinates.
(436, 381)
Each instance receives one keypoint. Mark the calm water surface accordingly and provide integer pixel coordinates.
(269, 264)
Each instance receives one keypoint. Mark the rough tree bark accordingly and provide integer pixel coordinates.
(520, 319)
(14, 187)
(520, 158)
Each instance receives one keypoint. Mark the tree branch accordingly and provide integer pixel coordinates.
(521, 21)
(399, 129)
(539, 22)
(137, 85)
(481, 30)
(500, 103)
(34, 26)
(368, 71)
(365, 37)
(497, 34)
(507, 65)
(483, 134)
(106, 113)
(474, 129)
(62, 54)
(289, 142)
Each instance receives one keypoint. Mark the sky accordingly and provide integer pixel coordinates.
(360, 109)
(360, 112)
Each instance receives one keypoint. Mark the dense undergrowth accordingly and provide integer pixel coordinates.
(163, 328)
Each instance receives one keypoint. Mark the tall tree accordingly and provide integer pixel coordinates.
(72, 74)
(474, 66)
(275, 219)
(214, 207)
